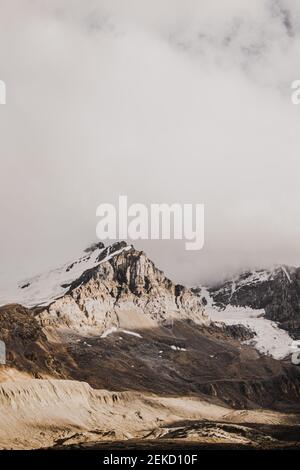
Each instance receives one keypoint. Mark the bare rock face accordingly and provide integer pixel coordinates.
(125, 289)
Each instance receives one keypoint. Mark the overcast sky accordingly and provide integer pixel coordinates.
(162, 100)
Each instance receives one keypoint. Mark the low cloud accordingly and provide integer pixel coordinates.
(165, 101)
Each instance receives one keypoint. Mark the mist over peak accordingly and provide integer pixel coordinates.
(166, 102)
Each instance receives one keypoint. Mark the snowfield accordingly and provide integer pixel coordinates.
(269, 339)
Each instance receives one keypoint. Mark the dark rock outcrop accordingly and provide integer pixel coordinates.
(276, 291)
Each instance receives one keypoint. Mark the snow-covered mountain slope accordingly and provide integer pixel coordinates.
(277, 291)
(43, 289)
(269, 339)
(264, 301)
(233, 289)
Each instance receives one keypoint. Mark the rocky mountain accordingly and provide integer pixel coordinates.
(276, 292)
(123, 288)
(156, 352)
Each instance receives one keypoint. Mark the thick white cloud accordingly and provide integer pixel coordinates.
(165, 101)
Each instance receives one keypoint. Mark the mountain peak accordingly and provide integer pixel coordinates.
(94, 246)
(123, 288)
(104, 287)
(46, 287)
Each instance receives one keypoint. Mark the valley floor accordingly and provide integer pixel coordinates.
(63, 414)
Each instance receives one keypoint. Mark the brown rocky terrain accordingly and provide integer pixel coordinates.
(185, 360)
(28, 350)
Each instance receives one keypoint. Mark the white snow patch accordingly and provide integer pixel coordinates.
(114, 329)
(287, 274)
(177, 348)
(108, 332)
(254, 277)
(132, 333)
